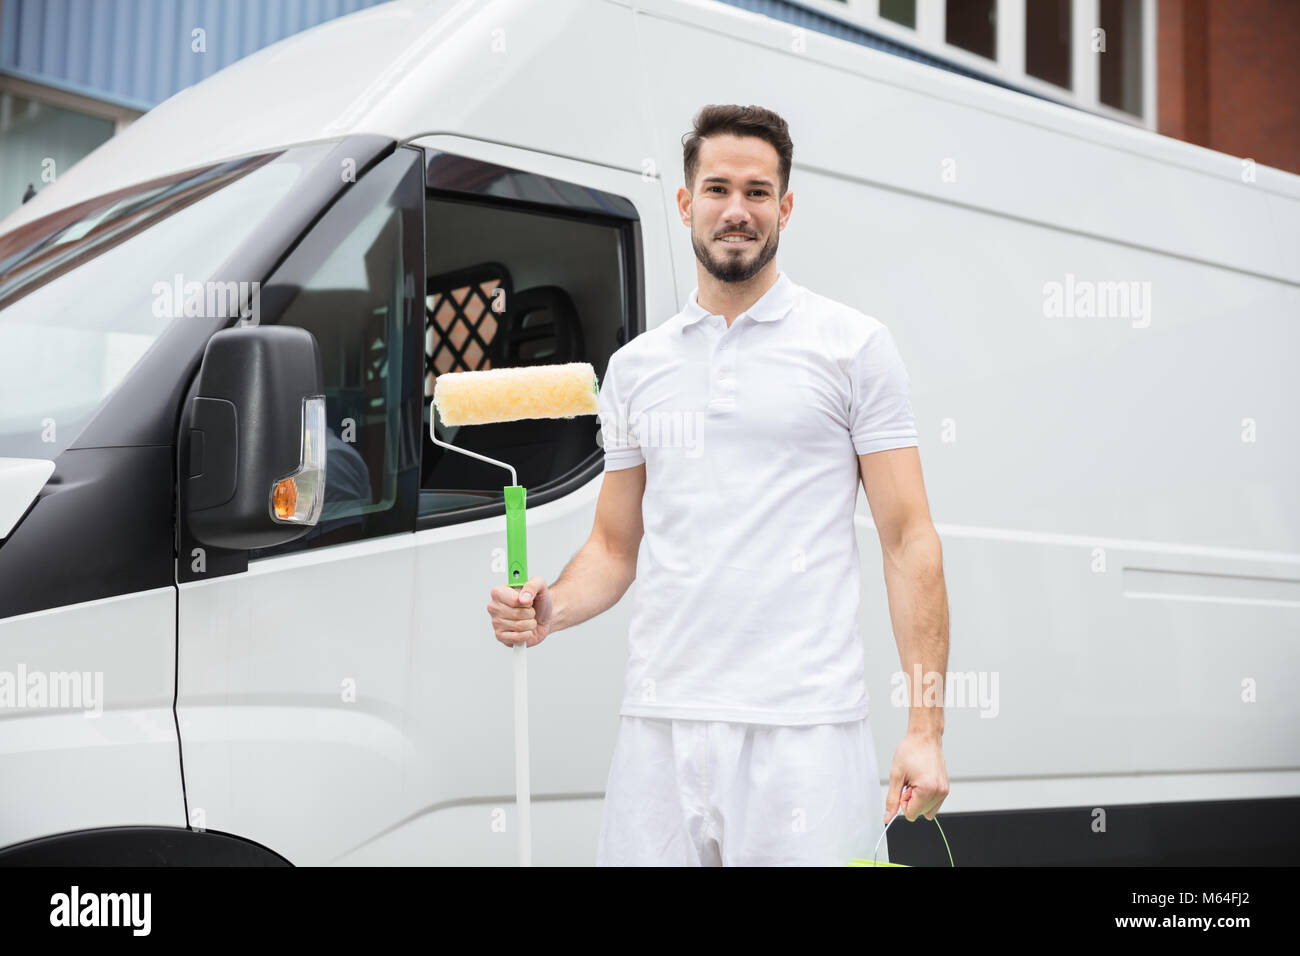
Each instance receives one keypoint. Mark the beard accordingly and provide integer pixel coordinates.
(739, 265)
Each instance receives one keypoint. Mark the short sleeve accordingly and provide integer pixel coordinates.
(618, 436)
(880, 413)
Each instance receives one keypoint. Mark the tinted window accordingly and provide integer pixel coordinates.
(506, 287)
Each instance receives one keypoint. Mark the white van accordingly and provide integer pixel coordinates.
(186, 678)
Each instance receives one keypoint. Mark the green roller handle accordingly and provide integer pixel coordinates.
(516, 537)
(517, 577)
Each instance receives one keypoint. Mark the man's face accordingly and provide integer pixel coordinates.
(736, 196)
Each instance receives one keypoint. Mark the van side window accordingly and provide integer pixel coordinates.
(508, 286)
(354, 299)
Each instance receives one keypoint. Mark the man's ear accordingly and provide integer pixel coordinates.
(684, 204)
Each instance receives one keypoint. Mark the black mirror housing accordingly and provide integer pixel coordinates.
(249, 431)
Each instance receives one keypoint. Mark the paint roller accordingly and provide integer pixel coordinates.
(507, 395)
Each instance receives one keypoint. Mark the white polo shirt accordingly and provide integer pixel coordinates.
(747, 577)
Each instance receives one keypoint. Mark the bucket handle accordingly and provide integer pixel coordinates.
(875, 854)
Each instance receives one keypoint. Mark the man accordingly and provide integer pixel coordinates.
(734, 437)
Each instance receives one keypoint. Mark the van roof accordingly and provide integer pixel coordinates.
(394, 69)
(557, 77)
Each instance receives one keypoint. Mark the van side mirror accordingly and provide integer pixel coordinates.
(256, 472)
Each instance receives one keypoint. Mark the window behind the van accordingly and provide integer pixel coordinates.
(84, 292)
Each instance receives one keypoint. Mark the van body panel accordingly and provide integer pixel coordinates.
(569, 836)
(293, 695)
(97, 747)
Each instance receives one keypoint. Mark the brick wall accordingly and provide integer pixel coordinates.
(1228, 76)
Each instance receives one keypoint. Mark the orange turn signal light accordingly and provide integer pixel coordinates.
(285, 498)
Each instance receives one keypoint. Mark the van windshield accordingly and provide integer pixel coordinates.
(85, 291)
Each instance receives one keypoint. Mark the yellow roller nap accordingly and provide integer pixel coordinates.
(511, 394)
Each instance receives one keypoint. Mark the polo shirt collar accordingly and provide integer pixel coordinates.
(772, 305)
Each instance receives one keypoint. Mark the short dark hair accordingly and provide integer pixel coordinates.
(715, 120)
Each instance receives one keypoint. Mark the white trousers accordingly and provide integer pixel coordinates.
(715, 793)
